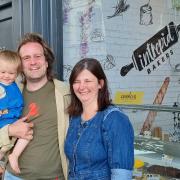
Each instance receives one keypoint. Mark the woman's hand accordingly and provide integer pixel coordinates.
(21, 129)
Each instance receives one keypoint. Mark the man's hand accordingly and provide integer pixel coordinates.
(1, 171)
(21, 129)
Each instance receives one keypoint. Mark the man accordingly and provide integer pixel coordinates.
(43, 158)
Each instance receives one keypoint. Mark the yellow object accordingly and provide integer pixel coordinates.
(138, 164)
(128, 97)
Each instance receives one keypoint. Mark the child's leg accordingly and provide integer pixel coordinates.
(18, 149)
(2, 167)
(3, 151)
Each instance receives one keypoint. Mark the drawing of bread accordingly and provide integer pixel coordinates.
(158, 100)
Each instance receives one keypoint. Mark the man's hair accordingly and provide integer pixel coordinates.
(49, 55)
(12, 58)
(92, 65)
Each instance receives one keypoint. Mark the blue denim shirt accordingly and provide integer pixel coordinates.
(101, 148)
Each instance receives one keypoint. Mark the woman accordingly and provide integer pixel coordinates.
(99, 142)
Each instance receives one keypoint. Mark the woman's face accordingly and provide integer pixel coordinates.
(86, 87)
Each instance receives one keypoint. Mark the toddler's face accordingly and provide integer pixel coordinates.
(8, 72)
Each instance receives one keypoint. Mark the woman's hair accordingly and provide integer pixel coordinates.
(49, 56)
(12, 58)
(92, 65)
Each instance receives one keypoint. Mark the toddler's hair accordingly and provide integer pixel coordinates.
(12, 58)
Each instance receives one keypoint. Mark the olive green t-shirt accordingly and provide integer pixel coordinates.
(41, 159)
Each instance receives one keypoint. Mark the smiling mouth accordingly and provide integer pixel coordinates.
(83, 93)
(34, 69)
(6, 80)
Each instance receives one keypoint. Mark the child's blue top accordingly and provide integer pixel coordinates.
(11, 104)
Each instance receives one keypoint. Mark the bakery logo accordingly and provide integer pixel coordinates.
(2, 92)
(154, 51)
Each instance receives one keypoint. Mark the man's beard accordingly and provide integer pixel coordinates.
(35, 79)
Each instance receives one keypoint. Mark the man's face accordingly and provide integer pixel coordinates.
(33, 62)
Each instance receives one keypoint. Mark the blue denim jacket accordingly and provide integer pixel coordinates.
(101, 148)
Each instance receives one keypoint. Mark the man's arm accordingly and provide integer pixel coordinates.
(19, 129)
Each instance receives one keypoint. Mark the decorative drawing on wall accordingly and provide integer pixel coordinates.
(147, 126)
(146, 56)
(85, 22)
(119, 8)
(146, 17)
(175, 66)
(175, 134)
(97, 35)
(67, 71)
(108, 63)
(95, 29)
(66, 10)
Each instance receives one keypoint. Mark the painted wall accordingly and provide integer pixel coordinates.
(114, 32)
(137, 43)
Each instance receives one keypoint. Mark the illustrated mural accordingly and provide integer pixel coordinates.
(66, 10)
(175, 134)
(108, 63)
(146, 17)
(147, 126)
(85, 22)
(67, 71)
(137, 44)
(146, 56)
(119, 8)
(141, 46)
(97, 35)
